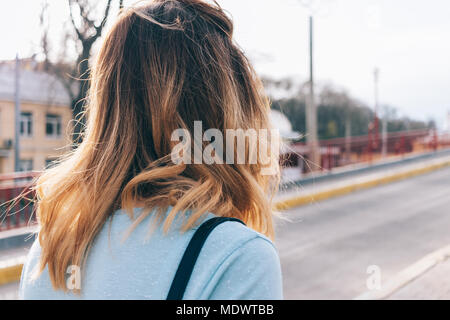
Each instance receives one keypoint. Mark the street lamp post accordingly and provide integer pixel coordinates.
(314, 7)
(17, 116)
(376, 126)
(311, 110)
(384, 134)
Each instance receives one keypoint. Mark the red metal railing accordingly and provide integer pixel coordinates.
(343, 151)
(334, 153)
(16, 204)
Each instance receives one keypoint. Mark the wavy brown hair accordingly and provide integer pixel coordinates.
(162, 66)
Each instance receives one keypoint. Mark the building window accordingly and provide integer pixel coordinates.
(26, 165)
(26, 124)
(53, 126)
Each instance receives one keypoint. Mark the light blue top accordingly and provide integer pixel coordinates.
(236, 263)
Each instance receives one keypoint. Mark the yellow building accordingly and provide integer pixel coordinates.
(45, 118)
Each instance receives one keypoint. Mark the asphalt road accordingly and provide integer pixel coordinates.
(327, 247)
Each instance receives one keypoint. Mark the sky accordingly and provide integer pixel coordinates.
(408, 40)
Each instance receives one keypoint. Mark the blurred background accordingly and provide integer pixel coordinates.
(359, 91)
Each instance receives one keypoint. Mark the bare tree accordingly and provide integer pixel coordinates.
(87, 22)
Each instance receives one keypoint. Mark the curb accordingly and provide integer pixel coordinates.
(10, 274)
(301, 200)
(11, 268)
(337, 173)
(408, 275)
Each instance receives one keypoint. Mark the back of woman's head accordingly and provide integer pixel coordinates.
(163, 66)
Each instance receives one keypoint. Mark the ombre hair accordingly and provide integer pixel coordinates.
(162, 66)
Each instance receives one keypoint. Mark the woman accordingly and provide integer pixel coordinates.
(117, 215)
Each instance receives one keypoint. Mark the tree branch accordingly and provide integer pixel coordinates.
(99, 28)
(74, 75)
(90, 23)
(79, 34)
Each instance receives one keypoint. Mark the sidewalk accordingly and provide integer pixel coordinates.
(9, 291)
(323, 189)
(432, 285)
(426, 279)
(11, 262)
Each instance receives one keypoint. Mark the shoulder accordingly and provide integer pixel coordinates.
(236, 236)
(28, 282)
(241, 264)
(33, 255)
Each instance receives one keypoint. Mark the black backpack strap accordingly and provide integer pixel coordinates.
(190, 256)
